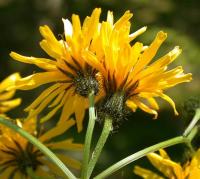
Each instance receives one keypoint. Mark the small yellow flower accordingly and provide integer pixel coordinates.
(6, 103)
(169, 168)
(130, 76)
(71, 78)
(17, 155)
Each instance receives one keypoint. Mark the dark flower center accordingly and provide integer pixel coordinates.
(21, 159)
(85, 84)
(82, 78)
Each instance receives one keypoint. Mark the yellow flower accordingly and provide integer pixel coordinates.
(17, 155)
(130, 76)
(6, 103)
(71, 77)
(169, 168)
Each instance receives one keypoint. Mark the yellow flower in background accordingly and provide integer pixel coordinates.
(6, 101)
(17, 155)
(169, 168)
(71, 78)
(130, 78)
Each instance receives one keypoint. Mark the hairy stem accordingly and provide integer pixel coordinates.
(107, 128)
(88, 137)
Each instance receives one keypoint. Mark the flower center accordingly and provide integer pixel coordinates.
(82, 78)
(113, 106)
(85, 84)
(21, 158)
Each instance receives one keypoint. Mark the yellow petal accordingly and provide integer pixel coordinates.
(51, 45)
(76, 26)
(68, 108)
(131, 105)
(169, 168)
(50, 50)
(42, 96)
(145, 108)
(9, 81)
(178, 79)
(164, 154)
(79, 106)
(46, 101)
(43, 63)
(168, 58)
(153, 103)
(91, 59)
(144, 173)
(150, 52)
(137, 33)
(6, 95)
(162, 62)
(57, 100)
(66, 145)
(70, 161)
(127, 15)
(38, 79)
(67, 27)
(110, 17)
(56, 131)
(169, 100)
(50, 114)
(90, 26)
(8, 105)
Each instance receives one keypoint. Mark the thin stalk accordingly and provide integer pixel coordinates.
(107, 128)
(88, 137)
(193, 122)
(40, 146)
(192, 133)
(187, 138)
(140, 154)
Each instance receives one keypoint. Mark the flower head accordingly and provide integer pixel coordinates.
(71, 77)
(6, 103)
(169, 168)
(130, 78)
(18, 155)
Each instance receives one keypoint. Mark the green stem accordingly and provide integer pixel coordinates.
(40, 146)
(107, 128)
(192, 134)
(193, 122)
(88, 137)
(140, 154)
(186, 138)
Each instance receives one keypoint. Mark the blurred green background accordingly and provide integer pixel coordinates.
(19, 22)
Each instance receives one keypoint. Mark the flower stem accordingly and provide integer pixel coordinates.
(186, 138)
(193, 122)
(139, 155)
(40, 146)
(88, 137)
(107, 128)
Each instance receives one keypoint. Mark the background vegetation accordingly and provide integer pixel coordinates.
(19, 22)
